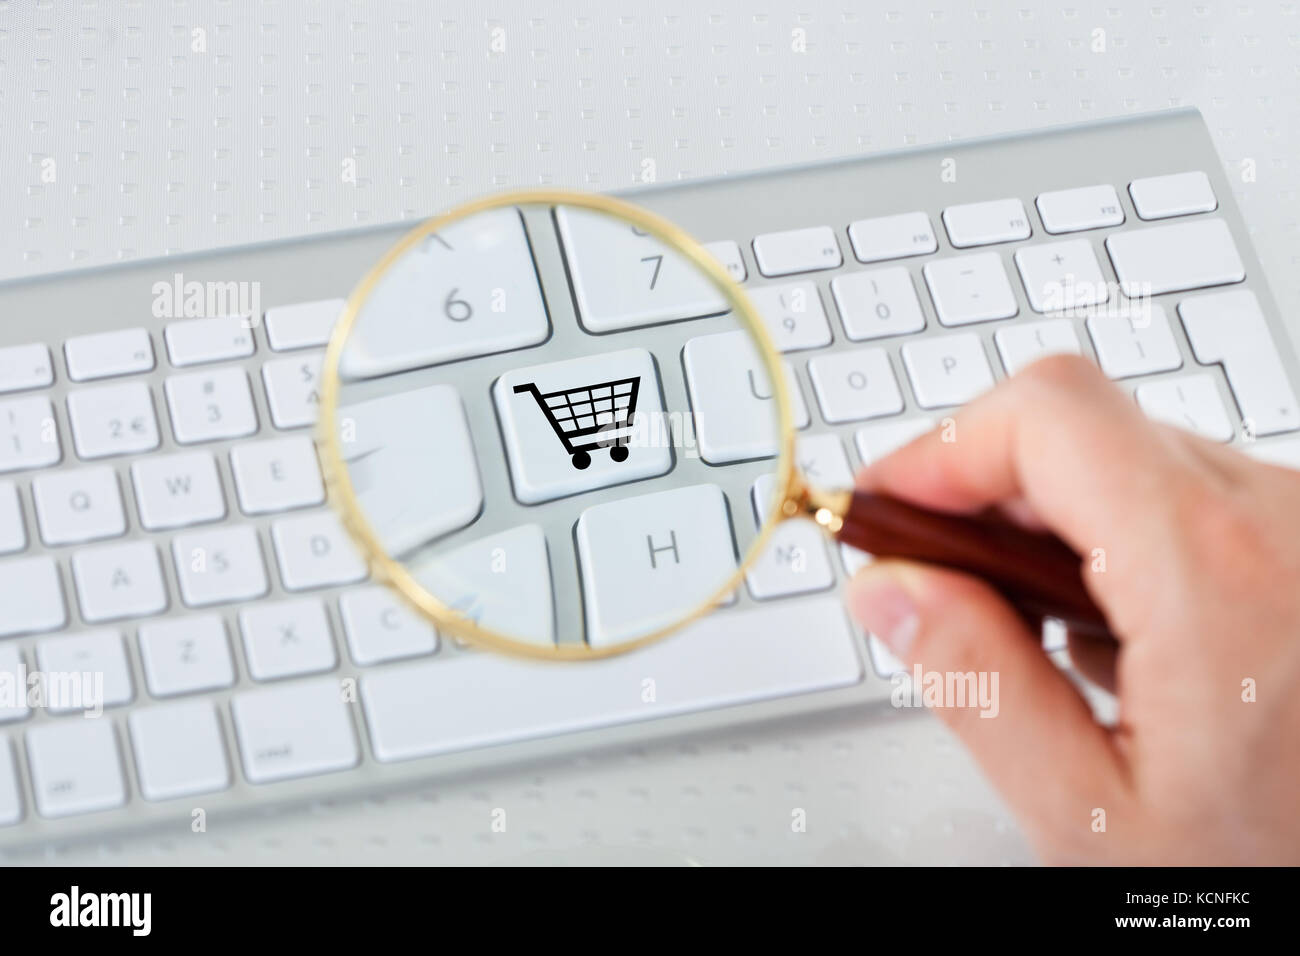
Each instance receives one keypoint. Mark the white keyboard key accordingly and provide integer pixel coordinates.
(623, 278)
(31, 595)
(81, 504)
(853, 559)
(380, 627)
(210, 405)
(502, 582)
(113, 420)
(294, 730)
(794, 560)
(1138, 343)
(199, 341)
(821, 459)
(984, 223)
(179, 750)
(315, 552)
(731, 398)
(479, 700)
(892, 237)
(1285, 453)
(13, 534)
(277, 475)
(29, 437)
(302, 325)
(948, 370)
(105, 354)
(877, 303)
(287, 639)
(13, 706)
(876, 441)
(1074, 210)
(1060, 276)
(1229, 327)
(11, 801)
(183, 655)
(727, 252)
(91, 656)
(172, 491)
(118, 580)
(414, 484)
(76, 767)
(793, 315)
(797, 250)
(1179, 194)
(1190, 402)
(647, 559)
(25, 366)
(541, 466)
(452, 300)
(854, 385)
(1175, 258)
(1020, 345)
(293, 390)
(971, 288)
(217, 566)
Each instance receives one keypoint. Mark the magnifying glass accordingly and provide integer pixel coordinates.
(559, 427)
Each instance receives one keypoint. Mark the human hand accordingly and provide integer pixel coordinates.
(1201, 586)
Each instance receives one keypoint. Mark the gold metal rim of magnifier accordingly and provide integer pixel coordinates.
(794, 497)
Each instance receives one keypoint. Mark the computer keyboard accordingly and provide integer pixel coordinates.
(163, 524)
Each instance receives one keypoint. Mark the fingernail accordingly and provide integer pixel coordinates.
(880, 604)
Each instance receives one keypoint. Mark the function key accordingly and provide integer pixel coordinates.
(302, 325)
(727, 252)
(198, 341)
(797, 250)
(1181, 194)
(25, 366)
(1074, 210)
(107, 354)
(986, 223)
(892, 237)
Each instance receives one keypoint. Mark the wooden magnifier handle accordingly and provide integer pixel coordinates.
(1038, 573)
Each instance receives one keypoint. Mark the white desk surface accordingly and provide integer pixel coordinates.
(158, 147)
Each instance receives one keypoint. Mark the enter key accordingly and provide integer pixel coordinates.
(1230, 328)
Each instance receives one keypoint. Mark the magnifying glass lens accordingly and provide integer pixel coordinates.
(551, 428)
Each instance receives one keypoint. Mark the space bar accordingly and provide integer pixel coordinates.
(481, 699)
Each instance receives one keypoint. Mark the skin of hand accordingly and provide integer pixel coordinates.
(1201, 586)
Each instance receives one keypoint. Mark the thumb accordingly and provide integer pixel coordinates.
(1034, 735)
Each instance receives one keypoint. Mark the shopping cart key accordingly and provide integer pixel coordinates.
(582, 424)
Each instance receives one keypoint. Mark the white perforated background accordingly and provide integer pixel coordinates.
(137, 129)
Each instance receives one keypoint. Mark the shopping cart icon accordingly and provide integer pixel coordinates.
(594, 416)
